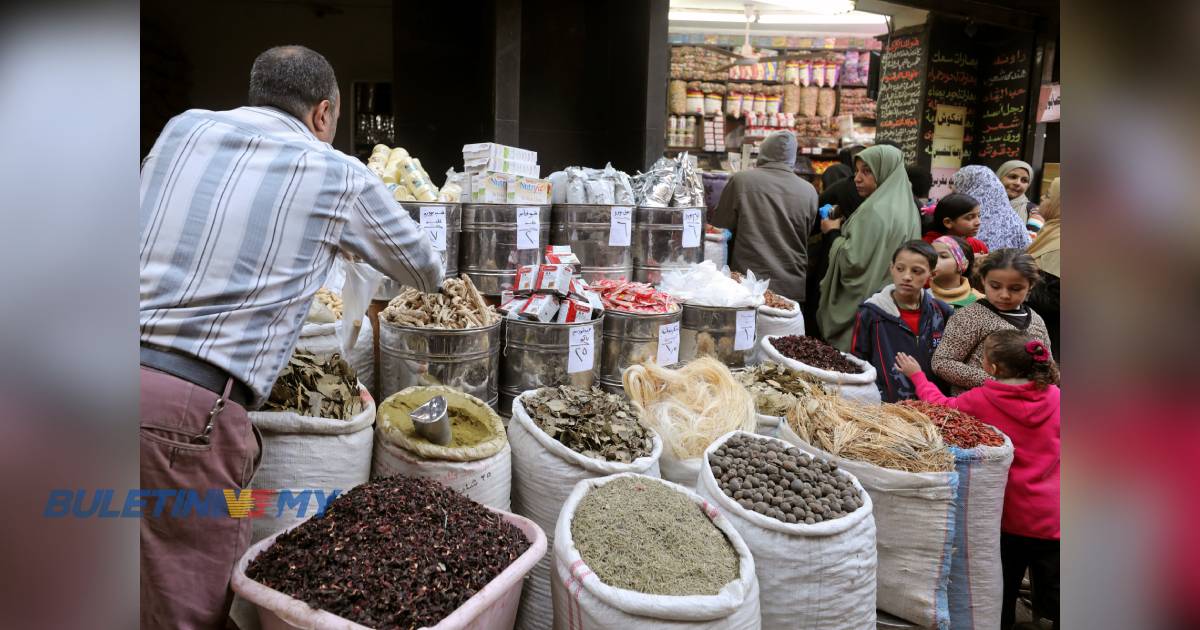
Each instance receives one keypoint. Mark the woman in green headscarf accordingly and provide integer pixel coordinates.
(861, 252)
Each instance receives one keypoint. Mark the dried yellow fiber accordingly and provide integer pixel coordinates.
(689, 407)
(891, 436)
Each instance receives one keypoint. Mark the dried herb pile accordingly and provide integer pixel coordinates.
(889, 435)
(781, 481)
(310, 387)
(814, 352)
(640, 535)
(957, 428)
(392, 553)
(777, 388)
(590, 422)
(459, 305)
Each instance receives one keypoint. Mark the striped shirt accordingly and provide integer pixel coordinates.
(242, 213)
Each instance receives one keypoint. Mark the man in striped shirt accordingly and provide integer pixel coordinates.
(242, 214)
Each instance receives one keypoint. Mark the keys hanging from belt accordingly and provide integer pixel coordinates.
(204, 436)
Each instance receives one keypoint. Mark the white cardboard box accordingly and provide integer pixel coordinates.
(498, 151)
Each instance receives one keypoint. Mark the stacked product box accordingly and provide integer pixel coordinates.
(714, 134)
(552, 292)
(495, 173)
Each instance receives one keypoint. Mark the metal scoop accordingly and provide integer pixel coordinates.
(432, 422)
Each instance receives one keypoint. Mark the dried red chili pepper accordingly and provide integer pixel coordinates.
(957, 428)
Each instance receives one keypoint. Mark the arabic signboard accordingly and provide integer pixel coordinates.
(1003, 111)
(901, 76)
(951, 97)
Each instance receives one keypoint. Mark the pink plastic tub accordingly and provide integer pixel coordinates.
(492, 608)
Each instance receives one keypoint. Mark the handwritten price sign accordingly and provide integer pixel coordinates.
(529, 224)
(433, 222)
(668, 344)
(620, 229)
(691, 227)
(582, 353)
(745, 330)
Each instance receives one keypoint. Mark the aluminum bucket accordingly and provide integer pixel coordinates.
(713, 331)
(466, 360)
(539, 355)
(588, 229)
(629, 339)
(658, 241)
(389, 288)
(488, 250)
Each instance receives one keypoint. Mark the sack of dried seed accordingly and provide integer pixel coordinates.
(561, 436)
(845, 373)
(477, 462)
(806, 521)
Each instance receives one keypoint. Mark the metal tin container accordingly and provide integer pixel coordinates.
(629, 339)
(467, 360)
(658, 238)
(452, 225)
(588, 229)
(539, 355)
(488, 249)
(713, 331)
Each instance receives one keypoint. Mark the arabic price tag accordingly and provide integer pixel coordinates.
(691, 227)
(433, 222)
(582, 353)
(620, 232)
(745, 330)
(528, 225)
(668, 344)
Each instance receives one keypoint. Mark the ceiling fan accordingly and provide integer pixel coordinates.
(745, 54)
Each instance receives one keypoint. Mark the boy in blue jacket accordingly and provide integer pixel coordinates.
(902, 317)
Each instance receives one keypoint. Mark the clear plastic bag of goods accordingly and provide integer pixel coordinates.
(859, 387)
(810, 575)
(545, 472)
(362, 356)
(476, 463)
(915, 531)
(703, 284)
(493, 607)
(583, 600)
(600, 191)
(359, 287)
(301, 453)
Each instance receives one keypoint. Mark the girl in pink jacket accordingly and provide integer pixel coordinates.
(1022, 400)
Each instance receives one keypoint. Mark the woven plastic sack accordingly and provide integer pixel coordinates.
(545, 473)
(858, 387)
(976, 575)
(310, 453)
(583, 602)
(914, 531)
(810, 577)
(482, 472)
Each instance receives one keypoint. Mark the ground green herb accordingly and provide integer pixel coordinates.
(638, 534)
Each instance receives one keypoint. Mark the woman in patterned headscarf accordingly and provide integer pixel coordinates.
(999, 226)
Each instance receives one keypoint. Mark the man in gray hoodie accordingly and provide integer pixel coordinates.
(770, 212)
